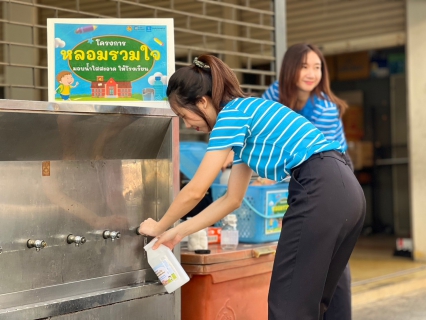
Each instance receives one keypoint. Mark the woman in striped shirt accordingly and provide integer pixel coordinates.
(304, 87)
(326, 203)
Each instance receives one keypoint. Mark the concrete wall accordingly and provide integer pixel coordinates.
(416, 84)
(20, 75)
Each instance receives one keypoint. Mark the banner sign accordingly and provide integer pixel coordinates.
(110, 61)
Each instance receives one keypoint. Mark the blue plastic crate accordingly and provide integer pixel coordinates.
(191, 153)
(260, 214)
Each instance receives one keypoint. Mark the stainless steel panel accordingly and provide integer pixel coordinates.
(64, 108)
(103, 304)
(78, 197)
(64, 172)
(150, 308)
(44, 136)
(84, 198)
(61, 292)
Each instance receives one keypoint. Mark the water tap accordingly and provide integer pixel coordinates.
(37, 244)
(76, 239)
(111, 235)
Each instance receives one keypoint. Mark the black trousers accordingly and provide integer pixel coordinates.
(340, 307)
(319, 232)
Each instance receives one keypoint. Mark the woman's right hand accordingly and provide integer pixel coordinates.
(149, 227)
(170, 238)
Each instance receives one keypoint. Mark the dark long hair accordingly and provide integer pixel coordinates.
(292, 63)
(211, 77)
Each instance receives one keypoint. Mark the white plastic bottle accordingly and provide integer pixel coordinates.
(166, 266)
(229, 234)
(198, 241)
(224, 177)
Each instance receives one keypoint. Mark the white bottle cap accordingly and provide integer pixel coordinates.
(231, 218)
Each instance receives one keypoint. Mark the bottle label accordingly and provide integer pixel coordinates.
(229, 237)
(165, 272)
(213, 239)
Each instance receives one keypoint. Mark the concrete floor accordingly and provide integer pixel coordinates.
(410, 306)
(373, 257)
(385, 286)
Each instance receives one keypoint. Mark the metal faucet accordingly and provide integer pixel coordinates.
(76, 239)
(111, 235)
(37, 244)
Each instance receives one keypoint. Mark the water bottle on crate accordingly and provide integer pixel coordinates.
(229, 234)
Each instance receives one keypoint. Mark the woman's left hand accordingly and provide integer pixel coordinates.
(149, 227)
(170, 238)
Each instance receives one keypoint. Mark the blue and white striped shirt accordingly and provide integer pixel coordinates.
(269, 137)
(322, 113)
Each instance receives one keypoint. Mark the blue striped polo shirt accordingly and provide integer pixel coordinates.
(269, 137)
(322, 113)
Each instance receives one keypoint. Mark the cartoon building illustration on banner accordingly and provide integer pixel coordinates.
(110, 61)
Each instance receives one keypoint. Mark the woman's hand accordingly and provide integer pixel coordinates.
(170, 238)
(149, 227)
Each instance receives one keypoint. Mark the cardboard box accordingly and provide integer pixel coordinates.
(353, 123)
(361, 153)
(353, 66)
